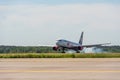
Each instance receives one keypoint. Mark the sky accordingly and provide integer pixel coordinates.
(42, 22)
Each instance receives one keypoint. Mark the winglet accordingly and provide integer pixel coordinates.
(81, 39)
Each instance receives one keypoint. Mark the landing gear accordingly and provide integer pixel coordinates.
(63, 50)
(77, 51)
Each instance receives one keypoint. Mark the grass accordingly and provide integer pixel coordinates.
(59, 55)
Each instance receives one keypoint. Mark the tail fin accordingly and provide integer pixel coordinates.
(81, 39)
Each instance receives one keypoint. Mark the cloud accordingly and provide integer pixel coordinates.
(43, 24)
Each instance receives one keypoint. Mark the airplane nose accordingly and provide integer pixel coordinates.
(57, 43)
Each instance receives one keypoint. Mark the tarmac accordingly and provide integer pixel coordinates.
(60, 69)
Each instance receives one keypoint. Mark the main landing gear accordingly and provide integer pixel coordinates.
(63, 50)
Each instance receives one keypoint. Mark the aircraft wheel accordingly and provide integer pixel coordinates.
(77, 51)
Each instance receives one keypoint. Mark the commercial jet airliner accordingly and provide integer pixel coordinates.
(65, 44)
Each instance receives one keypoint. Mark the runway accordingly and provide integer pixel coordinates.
(60, 69)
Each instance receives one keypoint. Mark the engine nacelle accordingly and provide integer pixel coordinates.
(55, 48)
(80, 48)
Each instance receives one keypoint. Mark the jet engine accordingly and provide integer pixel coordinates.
(55, 48)
(80, 48)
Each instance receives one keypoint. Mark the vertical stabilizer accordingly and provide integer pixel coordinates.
(81, 39)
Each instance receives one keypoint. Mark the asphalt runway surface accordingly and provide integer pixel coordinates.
(60, 69)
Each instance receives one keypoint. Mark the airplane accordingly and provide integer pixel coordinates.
(65, 44)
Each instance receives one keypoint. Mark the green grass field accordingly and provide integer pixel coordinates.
(60, 55)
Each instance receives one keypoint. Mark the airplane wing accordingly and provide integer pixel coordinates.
(95, 45)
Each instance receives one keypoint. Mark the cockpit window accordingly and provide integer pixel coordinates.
(59, 40)
(62, 40)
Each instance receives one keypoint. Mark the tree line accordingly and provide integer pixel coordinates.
(113, 49)
(26, 49)
(46, 49)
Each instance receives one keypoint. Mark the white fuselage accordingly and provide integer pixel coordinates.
(67, 44)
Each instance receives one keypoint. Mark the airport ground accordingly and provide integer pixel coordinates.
(60, 69)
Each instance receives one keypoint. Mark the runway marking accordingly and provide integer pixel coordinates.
(33, 71)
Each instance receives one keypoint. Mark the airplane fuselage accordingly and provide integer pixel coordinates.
(67, 44)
